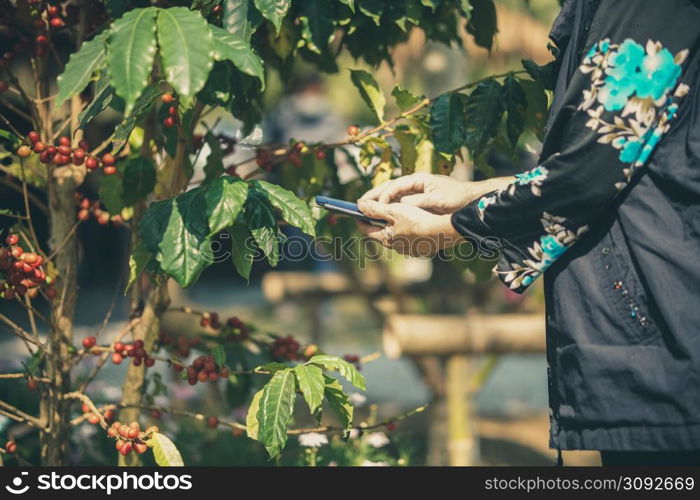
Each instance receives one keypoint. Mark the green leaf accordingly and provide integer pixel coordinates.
(251, 419)
(318, 25)
(138, 260)
(229, 48)
(294, 211)
(537, 106)
(483, 112)
(345, 369)
(215, 161)
(80, 67)
(483, 23)
(274, 10)
(349, 3)
(338, 401)
(409, 154)
(271, 367)
(447, 122)
(131, 51)
(241, 19)
(177, 232)
(224, 198)
(242, 249)
(311, 384)
(544, 75)
(516, 106)
(275, 413)
(261, 221)
(369, 90)
(186, 49)
(141, 108)
(372, 9)
(219, 354)
(111, 193)
(165, 452)
(404, 99)
(104, 93)
(139, 179)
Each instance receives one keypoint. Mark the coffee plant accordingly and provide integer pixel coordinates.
(164, 66)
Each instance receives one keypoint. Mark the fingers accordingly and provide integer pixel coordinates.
(373, 194)
(403, 186)
(376, 210)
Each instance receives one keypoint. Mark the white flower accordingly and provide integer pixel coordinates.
(357, 399)
(369, 463)
(313, 440)
(377, 439)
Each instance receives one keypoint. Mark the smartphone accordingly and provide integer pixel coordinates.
(347, 208)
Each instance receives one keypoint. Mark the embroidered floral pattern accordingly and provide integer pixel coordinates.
(557, 239)
(635, 82)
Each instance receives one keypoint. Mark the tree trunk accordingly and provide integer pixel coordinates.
(53, 409)
(147, 330)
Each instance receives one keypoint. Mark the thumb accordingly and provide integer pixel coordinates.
(376, 210)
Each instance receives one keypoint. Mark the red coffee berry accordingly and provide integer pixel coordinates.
(137, 362)
(108, 159)
(353, 130)
(11, 447)
(16, 252)
(12, 239)
(33, 136)
(79, 153)
(109, 170)
(39, 147)
(83, 144)
(149, 362)
(213, 376)
(108, 416)
(140, 448)
(125, 449)
(24, 151)
(213, 422)
(64, 141)
(167, 98)
(42, 39)
(320, 154)
(89, 342)
(118, 346)
(91, 163)
(138, 344)
(85, 408)
(117, 358)
(169, 122)
(94, 419)
(56, 22)
(202, 376)
(391, 426)
(172, 111)
(83, 214)
(32, 384)
(64, 150)
(53, 11)
(112, 432)
(133, 433)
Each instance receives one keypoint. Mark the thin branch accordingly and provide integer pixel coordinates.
(7, 182)
(16, 414)
(85, 399)
(27, 210)
(7, 104)
(21, 332)
(65, 241)
(44, 380)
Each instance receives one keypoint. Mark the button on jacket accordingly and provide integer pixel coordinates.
(611, 218)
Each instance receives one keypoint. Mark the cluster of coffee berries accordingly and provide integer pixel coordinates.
(286, 348)
(135, 350)
(87, 208)
(353, 359)
(61, 153)
(94, 418)
(238, 330)
(10, 446)
(172, 119)
(180, 344)
(54, 14)
(205, 369)
(210, 320)
(130, 437)
(21, 273)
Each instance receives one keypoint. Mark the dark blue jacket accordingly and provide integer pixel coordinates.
(611, 217)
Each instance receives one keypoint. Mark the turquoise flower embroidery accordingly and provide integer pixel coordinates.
(552, 249)
(626, 61)
(535, 174)
(630, 150)
(615, 93)
(659, 73)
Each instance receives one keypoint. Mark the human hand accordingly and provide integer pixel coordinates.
(438, 194)
(410, 230)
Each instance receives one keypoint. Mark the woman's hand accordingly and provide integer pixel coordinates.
(438, 194)
(410, 230)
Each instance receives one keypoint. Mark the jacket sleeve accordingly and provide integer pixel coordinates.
(620, 102)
